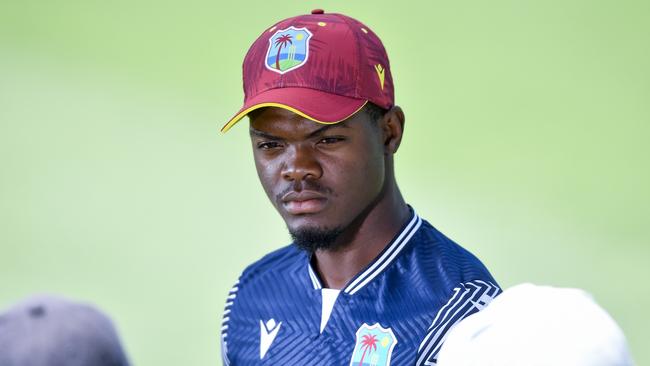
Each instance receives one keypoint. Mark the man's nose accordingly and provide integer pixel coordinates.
(301, 164)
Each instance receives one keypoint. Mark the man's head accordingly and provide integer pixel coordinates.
(532, 325)
(52, 331)
(323, 178)
(319, 93)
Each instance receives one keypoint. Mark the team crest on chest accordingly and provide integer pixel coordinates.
(288, 49)
(374, 346)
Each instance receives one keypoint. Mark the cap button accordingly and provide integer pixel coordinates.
(318, 11)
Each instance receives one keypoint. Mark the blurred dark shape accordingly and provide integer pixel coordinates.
(47, 330)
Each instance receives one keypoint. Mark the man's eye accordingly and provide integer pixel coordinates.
(330, 140)
(268, 145)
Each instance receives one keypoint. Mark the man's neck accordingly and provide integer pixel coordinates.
(363, 243)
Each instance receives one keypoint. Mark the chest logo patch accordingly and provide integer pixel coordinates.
(374, 346)
(268, 332)
(288, 49)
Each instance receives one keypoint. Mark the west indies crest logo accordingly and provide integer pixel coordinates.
(288, 49)
(374, 346)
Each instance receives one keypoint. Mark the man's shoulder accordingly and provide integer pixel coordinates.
(446, 259)
(442, 245)
(274, 263)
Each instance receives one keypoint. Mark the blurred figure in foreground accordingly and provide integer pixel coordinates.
(532, 325)
(52, 331)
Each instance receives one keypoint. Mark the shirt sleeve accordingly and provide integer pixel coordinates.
(230, 300)
(466, 299)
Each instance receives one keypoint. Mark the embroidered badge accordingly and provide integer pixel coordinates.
(288, 49)
(374, 346)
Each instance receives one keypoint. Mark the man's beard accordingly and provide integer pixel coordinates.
(312, 239)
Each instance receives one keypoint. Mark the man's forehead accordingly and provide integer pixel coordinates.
(280, 120)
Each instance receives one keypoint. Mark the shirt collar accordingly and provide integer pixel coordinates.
(380, 263)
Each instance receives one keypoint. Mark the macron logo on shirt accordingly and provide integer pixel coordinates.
(268, 332)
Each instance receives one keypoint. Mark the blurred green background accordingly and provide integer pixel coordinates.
(527, 141)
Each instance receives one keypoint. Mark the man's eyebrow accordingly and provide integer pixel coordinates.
(317, 132)
(327, 127)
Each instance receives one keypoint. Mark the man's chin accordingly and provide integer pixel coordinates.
(313, 238)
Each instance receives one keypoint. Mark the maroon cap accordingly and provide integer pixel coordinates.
(324, 67)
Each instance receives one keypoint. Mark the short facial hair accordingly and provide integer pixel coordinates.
(311, 239)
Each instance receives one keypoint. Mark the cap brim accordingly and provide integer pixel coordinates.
(312, 104)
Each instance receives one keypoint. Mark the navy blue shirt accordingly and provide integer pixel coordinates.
(396, 311)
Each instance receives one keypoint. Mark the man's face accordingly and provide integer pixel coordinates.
(319, 177)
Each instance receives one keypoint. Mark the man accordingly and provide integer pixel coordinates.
(46, 330)
(366, 281)
(532, 325)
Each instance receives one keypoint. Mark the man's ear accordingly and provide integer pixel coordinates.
(392, 125)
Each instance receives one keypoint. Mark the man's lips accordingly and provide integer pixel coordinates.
(303, 202)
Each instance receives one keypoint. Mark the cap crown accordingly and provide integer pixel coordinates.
(332, 53)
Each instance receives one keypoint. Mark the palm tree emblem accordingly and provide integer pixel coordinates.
(281, 42)
(368, 344)
(288, 49)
